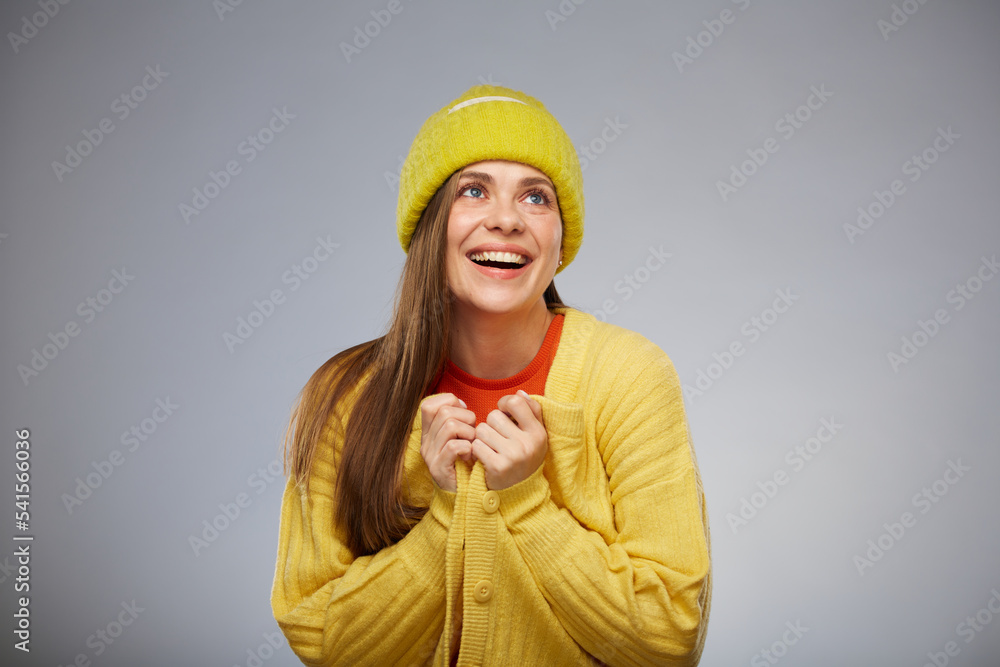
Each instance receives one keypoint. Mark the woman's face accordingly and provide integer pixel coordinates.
(504, 238)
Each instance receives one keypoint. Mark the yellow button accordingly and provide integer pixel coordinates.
(483, 591)
(491, 501)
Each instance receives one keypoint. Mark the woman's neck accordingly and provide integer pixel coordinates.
(497, 346)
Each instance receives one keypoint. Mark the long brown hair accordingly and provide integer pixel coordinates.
(403, 364)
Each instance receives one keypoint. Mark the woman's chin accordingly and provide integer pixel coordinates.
(490, 307)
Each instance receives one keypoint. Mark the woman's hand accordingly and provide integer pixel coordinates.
(512, 443)
(447, 429)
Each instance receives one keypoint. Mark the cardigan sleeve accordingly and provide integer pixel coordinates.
(643, 598)
(386, 608)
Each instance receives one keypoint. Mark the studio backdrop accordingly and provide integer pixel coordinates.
(797, 201)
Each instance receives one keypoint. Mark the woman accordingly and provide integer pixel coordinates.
(500, 479)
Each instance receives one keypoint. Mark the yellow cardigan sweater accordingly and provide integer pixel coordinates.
(601, 555)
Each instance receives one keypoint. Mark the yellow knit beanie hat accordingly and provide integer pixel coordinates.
(492, 123)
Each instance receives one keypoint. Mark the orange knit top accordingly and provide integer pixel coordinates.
(481, 395)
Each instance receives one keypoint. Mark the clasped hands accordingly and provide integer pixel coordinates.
(510, 444)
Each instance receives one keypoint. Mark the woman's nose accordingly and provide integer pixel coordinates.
(506, 217)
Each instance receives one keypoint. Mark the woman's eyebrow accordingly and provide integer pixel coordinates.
(534, 180)
(524, 182)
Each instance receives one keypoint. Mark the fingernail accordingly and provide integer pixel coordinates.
(463, 403)
(522, 393)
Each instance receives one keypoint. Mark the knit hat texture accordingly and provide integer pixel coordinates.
(492, 123)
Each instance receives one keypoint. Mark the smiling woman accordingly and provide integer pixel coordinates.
(499, 479)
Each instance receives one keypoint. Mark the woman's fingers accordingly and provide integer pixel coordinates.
(516, 412)
(448, 427)
(445, 415)
(463, 415)
(525, 411)
(535, 406)
(512, 444)
(454, 426)
(488, 456)
(502, 423)
(430, 406)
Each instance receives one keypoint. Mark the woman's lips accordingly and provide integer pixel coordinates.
(501, 274)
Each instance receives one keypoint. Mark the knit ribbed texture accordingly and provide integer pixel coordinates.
(492, 129)
(604, 551)
(481, 394)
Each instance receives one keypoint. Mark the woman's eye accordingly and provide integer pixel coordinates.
(474, 191)
(536, 198)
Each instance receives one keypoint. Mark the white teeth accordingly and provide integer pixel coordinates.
(492, 256)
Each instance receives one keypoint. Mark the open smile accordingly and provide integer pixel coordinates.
(499, 264)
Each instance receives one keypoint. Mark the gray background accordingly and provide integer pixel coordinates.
(329, 174)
